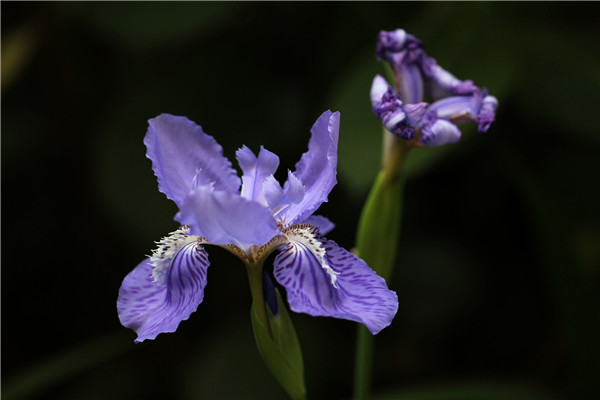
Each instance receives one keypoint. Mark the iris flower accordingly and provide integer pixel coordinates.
(404, 112)
(250, 218)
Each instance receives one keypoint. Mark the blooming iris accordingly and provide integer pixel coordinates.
(320, 277)
(404, 113)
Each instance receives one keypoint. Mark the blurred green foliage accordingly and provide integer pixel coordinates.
(497, 273)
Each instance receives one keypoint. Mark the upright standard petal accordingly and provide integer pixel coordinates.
(256, 171)
(182, 154)
(322, 279)
(225, 217)
(317, 168)
(156, 296)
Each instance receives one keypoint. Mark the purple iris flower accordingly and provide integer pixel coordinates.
(320, 277)
(416, 75)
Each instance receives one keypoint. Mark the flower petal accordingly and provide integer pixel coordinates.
(397, 118)
(487, 113)
(256, 171)
(322, 279)
(324, 224)
(317, 168)
(150, 306)
(225, 217)
(441, 83)
(272, 191)
(436, 131)
(410, 83)
(182, 154)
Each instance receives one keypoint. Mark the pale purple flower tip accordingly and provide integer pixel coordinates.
(402, 111)
(398, 46)
(487, 113)
(388, 106)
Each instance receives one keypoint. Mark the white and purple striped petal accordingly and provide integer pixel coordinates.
(324, 224)
(157, 295)
(323, 279)
(316, 170)
(182, 155)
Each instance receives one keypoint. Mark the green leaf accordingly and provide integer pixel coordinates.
(279, 347)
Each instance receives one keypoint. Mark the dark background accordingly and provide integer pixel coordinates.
(498, 267)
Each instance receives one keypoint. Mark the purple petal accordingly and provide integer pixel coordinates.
(256, 171)
(392, 41)
(225, 217)
(338, 285)
(379, 88)
(458, 108)
(182, 154)
(388, 106)
(324, 224)
(272, 191)
(487, 113)
(150, 307)
(398, 47)
(293, 190)
(410, 83)
(414, 113)
(317, 168)
(441, 83)
(437, 132)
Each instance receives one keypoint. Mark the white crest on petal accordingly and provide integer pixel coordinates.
(306, 235)
(167, 249)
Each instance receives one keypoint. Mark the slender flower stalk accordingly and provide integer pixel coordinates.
(422, 109)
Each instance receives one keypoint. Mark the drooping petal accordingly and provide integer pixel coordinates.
(317, 168)
(487, 113)
(437, 131)
(151, 303)
(388, 106)
(182, 154)
(324, 224)
(256, 170)
(225, 217)
(441, 83)
(458, 108)
(322, 279)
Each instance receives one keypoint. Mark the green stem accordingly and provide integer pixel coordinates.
(364, 363)
(256, 289)
(377, 238)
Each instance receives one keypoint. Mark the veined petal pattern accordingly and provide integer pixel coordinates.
(357, 293)
(150, 306)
